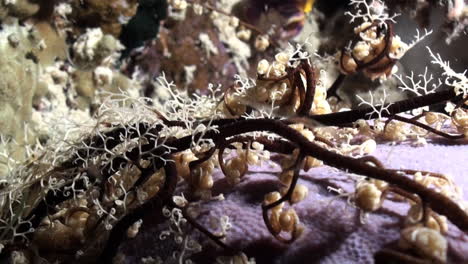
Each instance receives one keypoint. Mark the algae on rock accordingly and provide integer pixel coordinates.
(19, 76)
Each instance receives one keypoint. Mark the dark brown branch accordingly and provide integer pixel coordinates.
(388, 41)
(333, 90)
(438, 202)
(154, 204)
(306, 105)
(287, 197)
(346, 117)
(427, 127)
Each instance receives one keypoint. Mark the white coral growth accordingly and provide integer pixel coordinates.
(458, 81)
(373, 11)
(87, 43)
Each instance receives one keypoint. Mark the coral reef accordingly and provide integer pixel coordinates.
(20, 9)
(109, 15)
(333, 233)
(20, 81)
(188, 131)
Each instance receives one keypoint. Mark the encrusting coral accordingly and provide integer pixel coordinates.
(109, 15)
(264, 164)
(20, 73)
(18, 8)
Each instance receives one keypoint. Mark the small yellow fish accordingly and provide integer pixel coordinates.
(295, 22)
(308, 5)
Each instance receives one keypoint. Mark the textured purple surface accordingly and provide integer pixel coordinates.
(333, 231)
